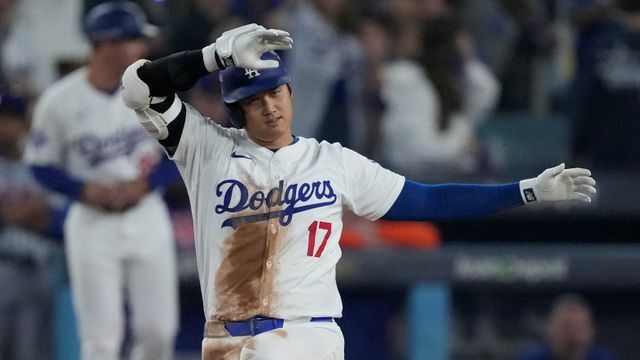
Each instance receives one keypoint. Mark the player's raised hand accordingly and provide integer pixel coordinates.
(558, 183)
(243, 46)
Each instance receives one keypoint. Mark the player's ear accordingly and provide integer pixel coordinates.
(290, 90)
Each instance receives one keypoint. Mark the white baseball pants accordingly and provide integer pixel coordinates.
(295, 341)
(118, 257)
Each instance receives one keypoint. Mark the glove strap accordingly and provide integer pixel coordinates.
(210, 52)
(219, 62)
(526, 191)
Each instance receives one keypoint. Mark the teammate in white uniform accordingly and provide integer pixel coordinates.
(268, 205)
(118, 235)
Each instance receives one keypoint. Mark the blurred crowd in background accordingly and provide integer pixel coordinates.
(409, 83)
(437, 90)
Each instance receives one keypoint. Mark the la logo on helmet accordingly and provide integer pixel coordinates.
(251, 73)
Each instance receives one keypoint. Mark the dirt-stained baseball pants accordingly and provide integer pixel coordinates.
(296, 340)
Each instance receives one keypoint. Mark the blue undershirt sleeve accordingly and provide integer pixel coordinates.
(57, 179)
(165, 173)
(421, 202)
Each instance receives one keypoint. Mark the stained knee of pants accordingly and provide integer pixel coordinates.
(222, 348)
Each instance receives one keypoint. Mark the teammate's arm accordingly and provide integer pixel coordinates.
(149, 87)
(94, 194)
(427, 202)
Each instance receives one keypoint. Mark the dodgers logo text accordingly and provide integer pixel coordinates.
(235, 197)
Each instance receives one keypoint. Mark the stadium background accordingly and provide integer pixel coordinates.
(467, 289)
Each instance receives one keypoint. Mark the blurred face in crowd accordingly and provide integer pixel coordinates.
(376, 39)
(570, 331)
(13, 129)
(404, 10)
(332, 8)
(268, 116)
(433, 8)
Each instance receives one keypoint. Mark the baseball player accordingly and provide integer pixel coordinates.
(86, 144)
(268, 205)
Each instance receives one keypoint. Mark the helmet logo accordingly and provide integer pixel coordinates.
(251, 73)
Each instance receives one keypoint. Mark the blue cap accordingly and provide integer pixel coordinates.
(238, 83)
(117, 20)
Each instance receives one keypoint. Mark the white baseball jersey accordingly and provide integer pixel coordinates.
(90, 134)
(267, 224)
(94, 137)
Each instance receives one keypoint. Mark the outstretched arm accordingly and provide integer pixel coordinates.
(450, 201)
(149, 88)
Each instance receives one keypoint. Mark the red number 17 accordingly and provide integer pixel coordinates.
(313, 229)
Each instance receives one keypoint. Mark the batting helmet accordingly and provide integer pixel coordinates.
(239, 83)
(117, 20)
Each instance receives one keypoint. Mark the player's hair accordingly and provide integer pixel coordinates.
(441, 60)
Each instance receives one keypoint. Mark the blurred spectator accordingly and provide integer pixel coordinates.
(29, 222)
(6, 14)
(433, 102)
(405, 23)
(589, 20)
(606, 110)
(522, 74)
(43, 36)
(258, 11)
(325, 68)
(570, 333)
(205, 97)
(194, 21)
(378, 42)
(494, 31)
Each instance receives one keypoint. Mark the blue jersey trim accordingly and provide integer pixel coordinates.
(58, 179)
(165, 173)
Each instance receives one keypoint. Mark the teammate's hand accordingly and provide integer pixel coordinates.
(134, 191)
(557, 184)
(243, 46)
(101, 196)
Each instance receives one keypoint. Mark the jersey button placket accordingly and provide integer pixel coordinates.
(272, 230)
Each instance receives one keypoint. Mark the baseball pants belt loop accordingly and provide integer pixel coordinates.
(258, 325)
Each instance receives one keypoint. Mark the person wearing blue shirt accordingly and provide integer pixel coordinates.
(570, 334)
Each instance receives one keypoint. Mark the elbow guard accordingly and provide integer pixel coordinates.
(136, 95)
(135, 92)
(156, 123)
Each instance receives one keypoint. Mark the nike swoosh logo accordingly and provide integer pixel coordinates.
(234, 155)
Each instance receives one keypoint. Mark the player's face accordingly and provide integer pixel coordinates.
(121, 53)
(571, 331)
(268, 117)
